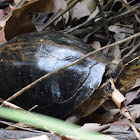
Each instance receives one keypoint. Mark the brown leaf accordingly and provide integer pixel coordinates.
(96, 45)
(130, 96)
(16, 1)
(2, 36)
(135, 110)
(43, 6)
(79, 10)
(20, 21)
(61, 4)
(123, 122)
(118, 98)
(16, 26)
(4, 12)
(98, 118)
(91, 5)
(137, 84)
(83, 8)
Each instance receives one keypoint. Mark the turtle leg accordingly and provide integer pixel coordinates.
(74, 118)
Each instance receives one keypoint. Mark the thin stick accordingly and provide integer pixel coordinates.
(22, 128)
(67, 66)
(103, 18)
(130, 7)
(126, 113)
(60, 13)
(119, 101)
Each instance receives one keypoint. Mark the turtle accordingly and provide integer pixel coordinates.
(75, 90)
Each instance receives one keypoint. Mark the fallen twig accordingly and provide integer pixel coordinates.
(103, 19)
(119, 99)
(132, 50)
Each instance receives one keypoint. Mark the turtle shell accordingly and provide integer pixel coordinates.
(27, 57)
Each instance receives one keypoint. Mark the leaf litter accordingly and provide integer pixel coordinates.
(125, 22)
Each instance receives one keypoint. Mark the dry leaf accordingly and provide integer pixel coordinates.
(91, 5)
(118, 98)
(98, 118)
(43, 6)
(120, 32)
(2, 36)
(110, 114)
(126, 113)
(135, 110)
(94, 14)
(123, 122)
(79, 10)
(16, 1)
(130, 96)
(4, 12)
(42, 137)
(82, 9)
(61, 4)
(137, 84)
(116, 53)
(12, 7)
(95, 127)
(96, 45)
(21, 17)
(16, 26)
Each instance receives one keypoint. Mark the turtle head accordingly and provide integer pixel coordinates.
(128, 72)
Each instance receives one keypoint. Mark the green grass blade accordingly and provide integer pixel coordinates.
(49, 123)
